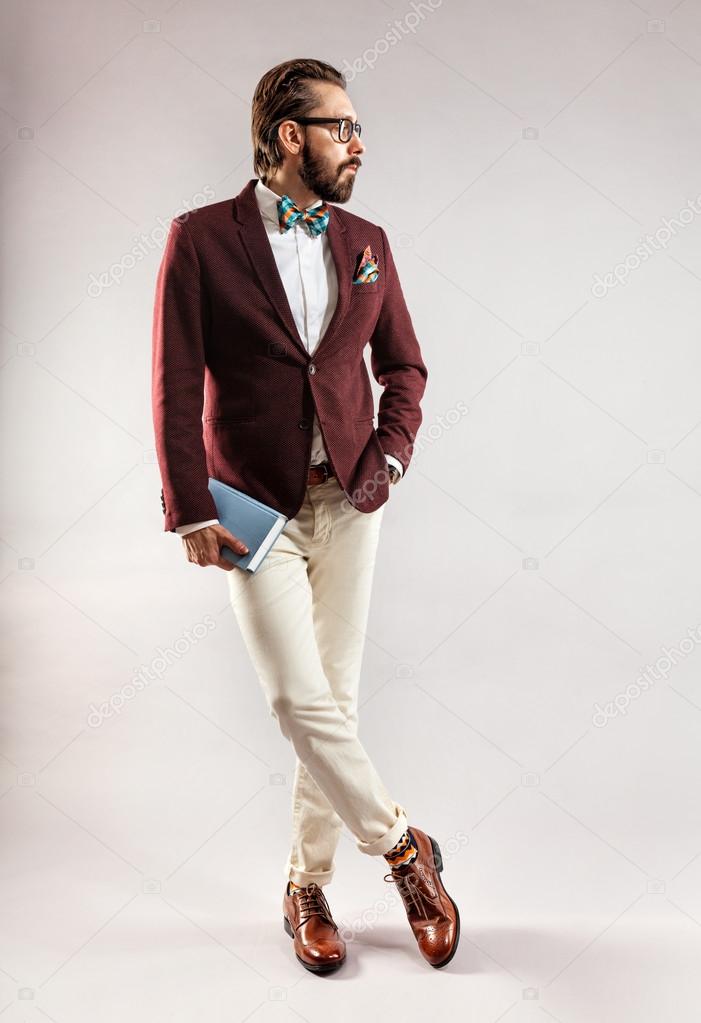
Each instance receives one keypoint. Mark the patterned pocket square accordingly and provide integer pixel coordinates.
(367, 270)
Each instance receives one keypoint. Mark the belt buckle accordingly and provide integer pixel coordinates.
(324, 466)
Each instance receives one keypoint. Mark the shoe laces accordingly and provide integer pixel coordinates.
(409, 890)
(312, 902)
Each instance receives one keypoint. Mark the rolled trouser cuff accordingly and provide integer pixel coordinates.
(305, 877)
(387, 841)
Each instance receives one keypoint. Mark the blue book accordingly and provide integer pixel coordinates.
(257, 524)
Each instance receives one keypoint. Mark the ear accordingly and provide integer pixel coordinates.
(290, 137)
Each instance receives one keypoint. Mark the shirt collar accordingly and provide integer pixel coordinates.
(267, 202)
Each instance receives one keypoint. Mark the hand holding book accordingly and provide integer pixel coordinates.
(205, 546)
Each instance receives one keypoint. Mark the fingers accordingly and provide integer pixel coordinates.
(238, 546)
(203, 556)
(203, 547)
(227, 539)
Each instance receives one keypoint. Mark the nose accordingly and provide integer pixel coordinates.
(355, 146)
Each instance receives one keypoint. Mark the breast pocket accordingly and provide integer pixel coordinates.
(364, 290)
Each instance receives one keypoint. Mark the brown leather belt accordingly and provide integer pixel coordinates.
(319, 473)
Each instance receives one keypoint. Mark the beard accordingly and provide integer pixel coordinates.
(329, 183)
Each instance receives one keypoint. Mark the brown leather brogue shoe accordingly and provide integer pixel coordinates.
(431, 912)
(308, 921)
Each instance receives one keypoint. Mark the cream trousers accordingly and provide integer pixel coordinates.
(303, 616)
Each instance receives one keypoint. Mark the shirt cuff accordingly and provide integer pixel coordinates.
(192, 526)
(395, 462)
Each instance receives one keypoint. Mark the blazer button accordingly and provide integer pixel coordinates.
(303, 424)
(312, 367)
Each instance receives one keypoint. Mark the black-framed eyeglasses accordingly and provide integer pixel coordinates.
(344, 125)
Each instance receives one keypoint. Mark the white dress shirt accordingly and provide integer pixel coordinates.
(308, 274)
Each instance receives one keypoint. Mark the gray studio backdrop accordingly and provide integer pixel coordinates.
(530, 688)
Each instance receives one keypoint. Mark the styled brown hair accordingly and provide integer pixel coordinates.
(285, 91)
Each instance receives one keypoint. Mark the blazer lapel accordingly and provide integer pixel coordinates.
(260, 253)
(338, 243)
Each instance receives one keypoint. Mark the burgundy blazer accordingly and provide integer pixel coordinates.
(233, 387)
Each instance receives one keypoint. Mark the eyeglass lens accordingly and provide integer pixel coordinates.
(347, 129)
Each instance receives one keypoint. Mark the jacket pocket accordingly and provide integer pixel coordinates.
(224, 420)
(363, 427)
(369, 288)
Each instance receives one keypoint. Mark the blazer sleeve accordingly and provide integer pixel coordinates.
(397, 364)
(177, 382)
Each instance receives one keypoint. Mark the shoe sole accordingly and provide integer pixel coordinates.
(438, 860)
(324, 967)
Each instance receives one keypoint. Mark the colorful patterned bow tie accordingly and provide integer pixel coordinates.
(289, 213)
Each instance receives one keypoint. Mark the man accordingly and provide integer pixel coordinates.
(264, 306)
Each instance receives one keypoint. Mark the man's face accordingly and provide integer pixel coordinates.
(324, 163)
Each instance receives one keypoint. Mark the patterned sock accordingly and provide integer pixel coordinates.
(405, 851)
(294, 887)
